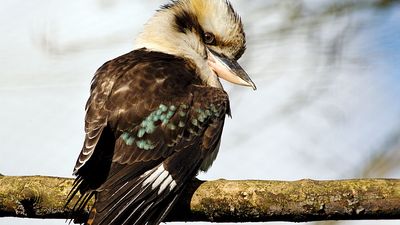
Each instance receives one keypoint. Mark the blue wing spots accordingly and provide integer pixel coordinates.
(141, 133)
(145, 144)
(170, 113)
(146, 127)
(183, 110)
(128, 139)
(125, 135)
(163, 117)
(214, 110)
(203, 115)
(163, 114)
(163, 108)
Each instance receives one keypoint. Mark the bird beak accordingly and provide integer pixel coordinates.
(228, 69)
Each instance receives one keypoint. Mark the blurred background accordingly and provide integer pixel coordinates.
(327, 72)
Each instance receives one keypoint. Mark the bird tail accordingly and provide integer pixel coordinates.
(136, 201)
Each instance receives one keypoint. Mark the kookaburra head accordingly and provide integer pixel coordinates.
(207, 32)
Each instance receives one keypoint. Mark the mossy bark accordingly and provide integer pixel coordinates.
(303, 200)
(33, 196)
(223, 200)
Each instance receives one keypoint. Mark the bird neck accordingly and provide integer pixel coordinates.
(160, 35)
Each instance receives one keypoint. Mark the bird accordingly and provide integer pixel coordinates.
(155, 115)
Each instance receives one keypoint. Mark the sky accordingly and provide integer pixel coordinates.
(311, 117)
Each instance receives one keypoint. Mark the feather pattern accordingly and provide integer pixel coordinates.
(148, 132)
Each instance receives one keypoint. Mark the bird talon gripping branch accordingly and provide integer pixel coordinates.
(155, 115)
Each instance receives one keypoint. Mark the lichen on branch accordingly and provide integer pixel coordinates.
(227, 201)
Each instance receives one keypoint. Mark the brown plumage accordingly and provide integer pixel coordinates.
(153, 119)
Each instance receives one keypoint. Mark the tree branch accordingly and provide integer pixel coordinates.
(228, 201)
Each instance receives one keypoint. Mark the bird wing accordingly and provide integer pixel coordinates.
(97, 148)
(154, 160)
(96, 112)
(150, 124)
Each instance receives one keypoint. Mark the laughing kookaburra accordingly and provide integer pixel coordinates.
(155, 115)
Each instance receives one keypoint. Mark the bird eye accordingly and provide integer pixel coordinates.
(209, 38)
